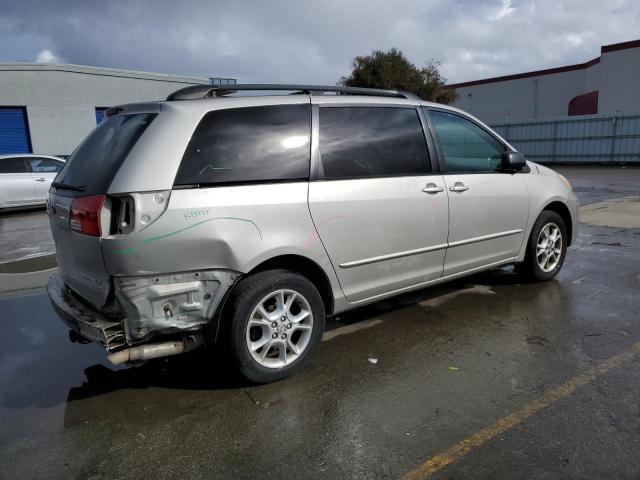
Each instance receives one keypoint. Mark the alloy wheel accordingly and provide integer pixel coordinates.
(279, 328)
(549, 247)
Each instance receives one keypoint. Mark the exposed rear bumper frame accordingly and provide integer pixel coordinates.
(83, 320)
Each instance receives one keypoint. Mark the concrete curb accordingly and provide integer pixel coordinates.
(25, 281)
(27, 273)
(35, 263)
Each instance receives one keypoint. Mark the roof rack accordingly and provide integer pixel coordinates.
(197, 92)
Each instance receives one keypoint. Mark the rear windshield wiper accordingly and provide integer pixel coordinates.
(65, 186)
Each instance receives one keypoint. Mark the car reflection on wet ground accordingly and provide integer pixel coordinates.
(394, 387)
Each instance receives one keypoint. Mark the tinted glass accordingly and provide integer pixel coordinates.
(44, 165)
(466, 147)
(97, 160)
(360, 142)
(12, 165)
(270, 143)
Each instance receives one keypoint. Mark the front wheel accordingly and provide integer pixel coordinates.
(277, 320)
(546, 248)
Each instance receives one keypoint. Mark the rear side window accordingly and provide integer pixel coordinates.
(254, 144)
(12, 165)
(465, 146)
(97, 160)
(360, 142)
(44, 165)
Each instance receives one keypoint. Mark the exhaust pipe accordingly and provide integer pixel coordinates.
(156, 350)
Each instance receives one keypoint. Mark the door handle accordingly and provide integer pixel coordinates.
(432, 188)
(40, 180)
(459, 187)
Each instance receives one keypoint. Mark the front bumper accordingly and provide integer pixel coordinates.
(574, 208)
(83, 320)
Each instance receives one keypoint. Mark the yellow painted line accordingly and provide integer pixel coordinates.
(452, 454)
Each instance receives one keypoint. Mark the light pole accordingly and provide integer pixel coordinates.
(535, 97)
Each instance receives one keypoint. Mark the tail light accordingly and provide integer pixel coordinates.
(85, 215)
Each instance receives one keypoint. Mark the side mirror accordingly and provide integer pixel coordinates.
(513, 161)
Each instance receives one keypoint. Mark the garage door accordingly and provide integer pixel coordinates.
(14, 133)
(100, 114)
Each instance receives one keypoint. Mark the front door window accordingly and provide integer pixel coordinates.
(465, 146)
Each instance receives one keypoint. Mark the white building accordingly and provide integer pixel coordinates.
(49, 108)
(607, 84)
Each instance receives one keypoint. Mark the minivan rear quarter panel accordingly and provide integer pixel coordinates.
(235, 227)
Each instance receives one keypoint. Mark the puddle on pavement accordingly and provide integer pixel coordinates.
(615, 212)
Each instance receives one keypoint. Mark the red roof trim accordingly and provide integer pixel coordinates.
(620, 46)
(551, 71)
(536, 73)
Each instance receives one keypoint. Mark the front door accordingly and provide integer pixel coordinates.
(377, 208)
(43, 171)
(488, 209)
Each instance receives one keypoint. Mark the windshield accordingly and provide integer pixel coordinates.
(94, 164)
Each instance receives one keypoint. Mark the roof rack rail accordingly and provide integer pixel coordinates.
(197, 92)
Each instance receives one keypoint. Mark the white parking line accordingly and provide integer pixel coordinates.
(350, 329)
(477, 289)
(434, 302)
(578, 281)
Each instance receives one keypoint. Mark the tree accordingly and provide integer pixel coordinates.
(392, 70)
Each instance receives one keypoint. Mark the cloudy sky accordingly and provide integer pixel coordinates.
(311, 41)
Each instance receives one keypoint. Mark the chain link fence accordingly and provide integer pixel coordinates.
(603, 139)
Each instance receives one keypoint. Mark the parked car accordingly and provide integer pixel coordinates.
(25, 179)
(211, 218)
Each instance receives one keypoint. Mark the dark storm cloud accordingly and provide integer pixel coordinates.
(312, 42)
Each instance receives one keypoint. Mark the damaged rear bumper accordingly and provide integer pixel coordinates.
(86, 322)
(170, 303)
(179, 303)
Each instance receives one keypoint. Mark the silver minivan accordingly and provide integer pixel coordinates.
(213, 217)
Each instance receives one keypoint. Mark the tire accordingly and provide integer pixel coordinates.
(534, 267)
(300, 326)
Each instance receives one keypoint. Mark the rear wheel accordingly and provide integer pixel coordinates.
(546, 248)
(277, 320)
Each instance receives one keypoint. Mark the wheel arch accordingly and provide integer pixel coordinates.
(557, 205)
(306, 267)
(296, 263)
(561, 209)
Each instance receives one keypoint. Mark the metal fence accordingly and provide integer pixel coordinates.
(581, 139)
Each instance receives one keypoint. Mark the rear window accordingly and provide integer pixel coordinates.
(12, 165)
(254, 144)
(361, 142)
(97, 160)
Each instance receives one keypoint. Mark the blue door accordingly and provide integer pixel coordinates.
(14, 132)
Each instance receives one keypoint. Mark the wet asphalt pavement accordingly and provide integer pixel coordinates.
(24, 233)
(451, 361)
